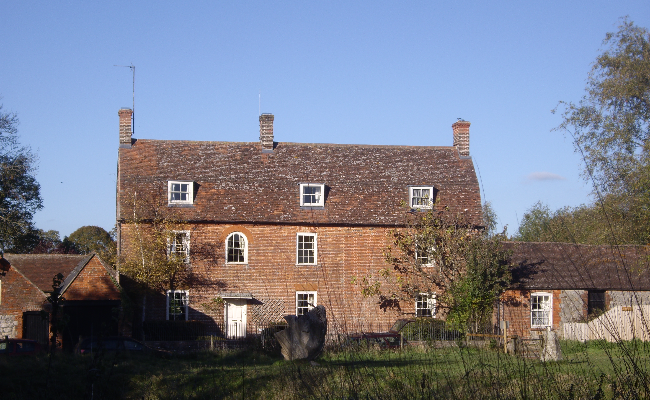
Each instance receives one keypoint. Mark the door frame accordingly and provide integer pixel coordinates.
(237, 328)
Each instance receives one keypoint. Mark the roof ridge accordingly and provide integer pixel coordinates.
(451, 147)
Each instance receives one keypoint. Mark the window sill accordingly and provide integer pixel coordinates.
(307, 265)
(180, 205)
(234, 264)
(312, 207)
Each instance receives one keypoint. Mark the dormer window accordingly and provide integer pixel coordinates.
(180, 192)
(421, 197)
(312, 195)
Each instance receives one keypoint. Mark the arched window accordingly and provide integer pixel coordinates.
(236, 248)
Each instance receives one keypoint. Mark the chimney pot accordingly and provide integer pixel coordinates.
(461, 136)
(126, 127)
(266, 132)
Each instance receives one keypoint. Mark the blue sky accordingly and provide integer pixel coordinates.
(379, 72)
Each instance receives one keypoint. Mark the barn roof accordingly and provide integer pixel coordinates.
(40, 269)
(548, 265)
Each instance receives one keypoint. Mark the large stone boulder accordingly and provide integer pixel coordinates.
(304, 336)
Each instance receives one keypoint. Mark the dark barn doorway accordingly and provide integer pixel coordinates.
(89, 318)
(36, 326)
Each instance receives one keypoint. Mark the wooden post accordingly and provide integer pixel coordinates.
(504, 328)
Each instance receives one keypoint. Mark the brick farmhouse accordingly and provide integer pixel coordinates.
(89, 288)
(287, 225)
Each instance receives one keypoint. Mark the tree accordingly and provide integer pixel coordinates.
(34, 241)
(471, 298)
(535, 224)
(605, 222)
(442, 253)
(19, 192)
(610, 126)
(38, 241)
(88, 239)
(490, 219)
(48, 242)
(156, 249)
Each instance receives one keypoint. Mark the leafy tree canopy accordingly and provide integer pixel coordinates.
(38, 241)
(606, 222)
(490, 219)
(150, 256)
(19, 192)
(610, 127)
(441, 253)
(88, 239)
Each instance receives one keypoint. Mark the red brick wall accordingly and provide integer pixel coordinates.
(344, 253)
(92, 283)
(516, 310)
(18, 295)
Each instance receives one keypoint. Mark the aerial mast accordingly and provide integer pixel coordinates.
(133, 106)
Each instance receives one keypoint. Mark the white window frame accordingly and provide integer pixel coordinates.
(541, 313)
(300, 248)
(421, 258)
(184, 306)
(189, 192)
(173, 247)
(319, 198)
(311, 302)
(427, 303)
(423, 201)
(243, 239)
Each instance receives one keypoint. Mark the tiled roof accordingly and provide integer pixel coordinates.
(568, 266)
(238, 183)
(41, 268)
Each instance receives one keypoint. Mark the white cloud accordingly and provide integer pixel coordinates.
(544, 176)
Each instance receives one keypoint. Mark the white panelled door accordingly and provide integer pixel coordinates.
(235, 318)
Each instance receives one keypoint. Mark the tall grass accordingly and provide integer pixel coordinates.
(588, 371)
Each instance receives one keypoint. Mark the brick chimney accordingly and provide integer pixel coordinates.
(126, 129)
(266, 132)
(461, 136)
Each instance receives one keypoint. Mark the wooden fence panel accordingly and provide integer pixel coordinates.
(619, 323)
(575, 331)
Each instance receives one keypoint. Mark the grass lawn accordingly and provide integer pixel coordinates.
(588, 371)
